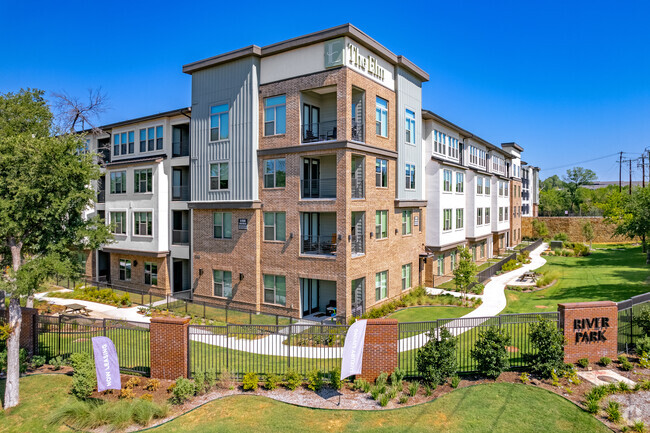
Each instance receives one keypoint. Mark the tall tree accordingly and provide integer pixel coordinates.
(552, 202)
(465, 271)
(588, 232)
(553, 182)
(631, 214)
(574, 179)
(45, 179)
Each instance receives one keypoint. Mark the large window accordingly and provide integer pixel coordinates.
(410, 176)
(222, 225)
(505, 188)
(460, 218)
(381, 118)
(487, 215)
(446, 219)
(381, 285)
(406, 222)
(275, 289)
(142, 180)
(219, 122)
(460, 182)
(150, 273)
(275, 173)
(222, 284)
(143, 140)
(500, 189)
(118, 182)
(275, 115)
(446, 185)
(275, 226)
(381, 173)
(410, 127)
(406, 276)
(131, 141)
(116, 144)
(142, 223)
(479, 185)
(219, 176)
(441, 265)
(506, 213)
(125, 270)
(381, 224)
(118, 221)
(500, 214)
(440, 142)
(487, 186)
(479, 216)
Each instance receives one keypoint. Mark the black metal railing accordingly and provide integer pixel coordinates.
(321, 131)
(319, 188)
(180, 237)
(325, 244)
(180, 192)
(357, 188)
(357, 244)
(488, 273)
(357, 130)
(628, 330)
(180, 148)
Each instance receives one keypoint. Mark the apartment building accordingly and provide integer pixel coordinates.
(513, 170)
(529, 190)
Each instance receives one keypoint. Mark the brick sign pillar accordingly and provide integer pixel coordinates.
(380, 350)
(590, 330)
(27, 328)
(169, 347)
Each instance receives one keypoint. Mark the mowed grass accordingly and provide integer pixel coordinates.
(498, 407)
(615, 273)
(423, 314)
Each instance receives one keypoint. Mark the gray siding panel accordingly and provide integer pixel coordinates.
(235, 83)
(409, 95)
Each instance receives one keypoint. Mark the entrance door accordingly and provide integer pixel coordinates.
(104, 266)
(310, 293)
(358, 295)
(310, 121)
(310, 232)
(178, 276)
(311, 175)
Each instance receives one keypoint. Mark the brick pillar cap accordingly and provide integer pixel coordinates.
(29, 310)
(382, 321)
(170, 320)
(578, 305)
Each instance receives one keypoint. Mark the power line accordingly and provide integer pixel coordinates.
(580, 162)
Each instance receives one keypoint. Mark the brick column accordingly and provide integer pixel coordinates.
(27, 328)
(380, 350)
(168, 345)
(590, 330)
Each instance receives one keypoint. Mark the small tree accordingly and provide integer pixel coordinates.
(548, 344)
(574, 179)
(588, 232)
(465, 272)
(490, 353)
(630, 214)
(436, 360)
(540, 229)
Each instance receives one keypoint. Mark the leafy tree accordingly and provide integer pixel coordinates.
(465, 272)
(540, 229)
(553, 182)
(548, 344)
(631, 214)
(574, 179)
(436, 360)
(588, 232)
(552, 202)
(490, 353)
(45, 180)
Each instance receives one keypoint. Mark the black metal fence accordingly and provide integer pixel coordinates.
(488, 273)
(64, 335)
(628, 331)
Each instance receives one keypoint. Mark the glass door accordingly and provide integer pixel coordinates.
(311, 174)
(309, 293)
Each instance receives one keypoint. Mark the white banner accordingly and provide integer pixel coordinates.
(353, 349)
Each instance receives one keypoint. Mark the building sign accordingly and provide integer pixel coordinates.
(367, 64)
(334, 53)
(590, 330)
(416, 220)
(243, 223)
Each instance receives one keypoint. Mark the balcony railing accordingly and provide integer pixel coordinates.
(358, 247)
(357, 188)
(322, 245)
(181, 193)
(101, 195)
(319, 188)
(357, 130)
(180, 237)
(321, 131)
(180, 148)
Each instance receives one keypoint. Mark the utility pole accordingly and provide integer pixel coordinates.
(643, 170)
(630, 177)
(620, 163)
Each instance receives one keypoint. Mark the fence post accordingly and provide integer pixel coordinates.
(204, 310)
(631, 328)
(289, 347)
(226, 314)
(58, 350)
(227, 343)
(250, 318)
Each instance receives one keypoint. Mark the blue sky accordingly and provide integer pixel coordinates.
(569, 81)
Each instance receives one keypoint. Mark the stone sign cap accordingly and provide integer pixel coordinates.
(594, 304)
(170, 320)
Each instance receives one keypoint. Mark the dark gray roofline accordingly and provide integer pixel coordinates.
(309, 39)
(185, 111)
(513, 144)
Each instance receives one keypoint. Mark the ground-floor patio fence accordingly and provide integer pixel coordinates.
(628, 330)
(488, 273)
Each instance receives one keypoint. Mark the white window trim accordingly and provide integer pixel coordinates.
(406, 117)
(126, 226)
(153, 231)
(220, 140)
(210, 163)
(152, 180)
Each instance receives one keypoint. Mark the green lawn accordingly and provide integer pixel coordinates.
(423, 314)
(615, 273)
(485, 408)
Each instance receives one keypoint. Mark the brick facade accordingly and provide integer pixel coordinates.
(137, 273)
(515, 212)
(169, 346)
(28, 327)
(380, 350)
(572, 226)
(590, 330)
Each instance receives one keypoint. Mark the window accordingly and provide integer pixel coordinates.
(151, 139)
(142, 224)
(440, 142)
(506, 213)
(150, 273)
(487, 186)
(142, 180)
(159, 137)
(381, 118)
(222, 284)
(275, 289)
(441, 265)
(500, 189)
(118, 182)
(453, 147)
(219, 176)
(131, 141)
(505, 188)
(116, 144)
(446, 180)
(500, 214)
(460, 182)
(410, 127)
(125, 270)
(410, 176)
(406, 276)
(381, 170)
(479, 216)
(275, 173)
(118, 220)
(275, 115)
(219, 122)
(275, 226)
(381, 286)
(474, 252)
(381, 224)
(406, 222)
(143, 140)
(483, 250)
(487, 215)
(459, 218)
(452, 256)
(222, 225)
(479, 185)
(446, 219)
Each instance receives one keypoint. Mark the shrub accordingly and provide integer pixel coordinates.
(397, 376)
(271, 381)
(182, 391)
(478, 289)
(592, 406)
(132, 382)
(335, 378)
(548, 342)
(152, 385)
(210, 379)
(376, 391)
(119, 415)
(226, 380)
(624, 387)
(540, 229)
(38, 361)
(428, 389)
(199, 381)
(510, 265)
(581, 250)
(643, 345)
(490, 351)
(436, 360)
(605, 361)
(638, 426)
(644, 360)
(382, 379)
(626, 365)
(146, 397)
(642, 320)
(383, 400)
(392, 392)
(455, 381)
(613, 410)
(315, 380)
(403, 399)
(84, 379)
(525, 377)
(250, 381)
(561, 237)
(360, 384)
(57, 362)
(414, 387)
(583, 362)
(292, 379)
(127, 394)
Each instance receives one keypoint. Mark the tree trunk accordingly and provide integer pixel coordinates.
(12, 396)
(2, 299)
(16, 253)
(643, 244)
(30, 301)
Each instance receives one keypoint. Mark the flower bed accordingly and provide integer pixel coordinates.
(93, 294)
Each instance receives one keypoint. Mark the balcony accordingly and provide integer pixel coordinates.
(357, 130)
(318, 177)
(180, 184)
(318, 233)
(180, 193)
(321, 131)
(358, 113)
(319, 115)
(321, 245)
(357, 235)
(101, 190)
(180, 237)
(180, 227)
(319, 188)
(358, 171)
(180, 140)
(357, 244)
